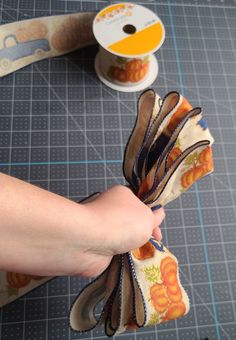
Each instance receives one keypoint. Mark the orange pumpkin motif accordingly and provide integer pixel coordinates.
(206, 159)
(168, 264)
(159, 298)
(136, 69)
(138, 75)
(66, 37)
(72, 32)
(118, 74)
(17, 280)
(175, 152)
(175, 310)
(170, 278)
(182, 110)
(166, 297)
(158, 288)
(22, 35)
(35, 30)
(174, 293)
(201, 166)
(192, 175)
(133, 71)
(133, 65)
(147, 251)
(208, 167)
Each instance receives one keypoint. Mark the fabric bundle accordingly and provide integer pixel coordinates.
(168, 150)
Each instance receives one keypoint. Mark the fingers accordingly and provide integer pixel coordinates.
(159, 215)
(157, 234)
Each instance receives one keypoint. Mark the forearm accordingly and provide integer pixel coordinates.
(45, 234)
(39, 228)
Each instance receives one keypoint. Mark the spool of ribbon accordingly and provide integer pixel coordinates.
(28, 41)
(168, 150)
(128, 35)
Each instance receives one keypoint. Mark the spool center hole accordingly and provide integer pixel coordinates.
(129, 29)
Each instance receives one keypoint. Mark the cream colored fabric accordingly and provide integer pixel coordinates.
(22, 43)
(14, 285)
(168, 150)
(28, 41)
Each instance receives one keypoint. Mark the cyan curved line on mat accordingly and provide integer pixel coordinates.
(196, 186)
(102, 161)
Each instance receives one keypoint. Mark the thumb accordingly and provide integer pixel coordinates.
(159, 214)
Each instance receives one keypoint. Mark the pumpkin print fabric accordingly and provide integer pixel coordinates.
(168, 151)
(27, 41)
(14, 285)
(167, 298)
(129, 70)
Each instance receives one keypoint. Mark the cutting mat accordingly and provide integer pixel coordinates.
(61, 129)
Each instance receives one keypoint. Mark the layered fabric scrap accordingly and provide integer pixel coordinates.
(169, 150)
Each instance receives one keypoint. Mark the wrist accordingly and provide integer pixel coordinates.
(87, 253)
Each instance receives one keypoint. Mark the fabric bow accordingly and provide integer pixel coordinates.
(169, 149)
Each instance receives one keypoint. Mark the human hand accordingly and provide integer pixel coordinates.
(123, 223)
(45, 234)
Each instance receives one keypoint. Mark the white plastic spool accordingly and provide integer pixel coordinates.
(128, 35)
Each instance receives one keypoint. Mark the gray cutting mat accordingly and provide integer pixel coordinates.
(61, 129)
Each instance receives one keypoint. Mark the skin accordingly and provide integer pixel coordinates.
(45, 234)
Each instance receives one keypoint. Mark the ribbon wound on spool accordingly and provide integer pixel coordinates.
(125, 61)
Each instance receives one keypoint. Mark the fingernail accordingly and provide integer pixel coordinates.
(160, 213)
(156, 207)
